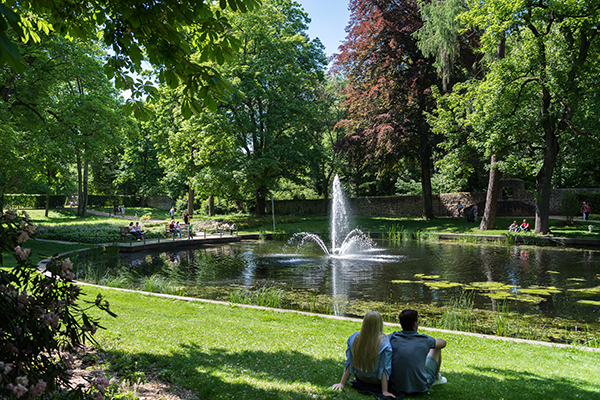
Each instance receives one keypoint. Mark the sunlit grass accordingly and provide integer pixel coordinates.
(220, 351)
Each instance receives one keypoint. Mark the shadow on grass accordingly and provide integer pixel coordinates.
(513, 385)
(217, 373)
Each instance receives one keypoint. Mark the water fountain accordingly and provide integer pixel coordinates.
(344, 240)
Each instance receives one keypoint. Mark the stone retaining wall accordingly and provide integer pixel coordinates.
(160, 202)
(522, 204)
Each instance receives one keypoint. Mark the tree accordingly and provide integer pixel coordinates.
(388, 87)
(66, 105)
(263, 131)
(545, 83)
(324, 161)
(167, 34)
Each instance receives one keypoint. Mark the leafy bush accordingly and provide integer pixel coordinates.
(41, 321)
(33, 201)
(569, 205)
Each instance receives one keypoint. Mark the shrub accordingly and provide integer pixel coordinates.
(41, 321)
(569, 205)
(33, 201)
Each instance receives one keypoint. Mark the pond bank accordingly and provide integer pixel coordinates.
(153, 244)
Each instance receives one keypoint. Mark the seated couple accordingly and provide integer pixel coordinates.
(401, 363)
(516, 228)
(136, 230)
(174, 228)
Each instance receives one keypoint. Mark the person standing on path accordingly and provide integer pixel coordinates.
(586, 209)
(172, 212)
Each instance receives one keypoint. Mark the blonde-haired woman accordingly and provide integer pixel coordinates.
(369, 355)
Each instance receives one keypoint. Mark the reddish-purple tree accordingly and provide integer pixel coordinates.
(388, 88)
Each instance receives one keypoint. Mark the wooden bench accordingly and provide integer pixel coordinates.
(125, 233)
(183, 227)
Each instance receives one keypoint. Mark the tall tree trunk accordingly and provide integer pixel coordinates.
(190, 207)
(79, 183)
(83, 197)
(211, 205)
(543, 180)
(488, 221)
(260, 194)
(425, 160)
(326, 195)
(49, 181)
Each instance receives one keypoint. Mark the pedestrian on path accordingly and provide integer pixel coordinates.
(586, 209)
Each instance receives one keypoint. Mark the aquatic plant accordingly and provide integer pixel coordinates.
(458, 314)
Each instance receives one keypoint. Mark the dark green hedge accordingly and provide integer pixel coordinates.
(96, 200)
(33, 201)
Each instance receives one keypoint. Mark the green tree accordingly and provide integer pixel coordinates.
(275, 86)
(167, 34)
(66, 106)
(388, 90)
(263, 132)
(544, 87)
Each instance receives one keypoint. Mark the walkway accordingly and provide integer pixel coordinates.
(130, 217)
(198, 240)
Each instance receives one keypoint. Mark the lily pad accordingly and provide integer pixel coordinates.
(500, 296)
(402, 281)
(527, 298)
(594, 290)
(442, 284)
(540, 291)
(489, 286)
(423, 276)
(588, 302)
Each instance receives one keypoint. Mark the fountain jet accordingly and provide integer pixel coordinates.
(344, 241)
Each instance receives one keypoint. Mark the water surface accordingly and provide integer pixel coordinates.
(395, 272)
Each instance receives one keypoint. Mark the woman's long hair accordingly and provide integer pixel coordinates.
(365, 349)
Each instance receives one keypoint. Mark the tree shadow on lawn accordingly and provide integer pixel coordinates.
(508, 384)
(202, 372)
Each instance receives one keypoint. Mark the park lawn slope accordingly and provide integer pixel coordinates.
(220, 351)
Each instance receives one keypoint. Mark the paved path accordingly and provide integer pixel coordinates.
(131, 217)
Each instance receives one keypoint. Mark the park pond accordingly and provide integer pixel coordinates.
(545, 282)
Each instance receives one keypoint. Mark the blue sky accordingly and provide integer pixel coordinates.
(328, 21)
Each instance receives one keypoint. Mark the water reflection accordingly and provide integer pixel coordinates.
(370, 276)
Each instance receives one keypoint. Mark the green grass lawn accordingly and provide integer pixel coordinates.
(320, 224)
(230, 352)
(66, 219)
(41, 250)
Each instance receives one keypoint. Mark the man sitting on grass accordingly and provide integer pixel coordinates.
(416, 358)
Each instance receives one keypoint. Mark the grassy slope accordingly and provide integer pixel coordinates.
(320, 224)
(222, 351)
(41, 250)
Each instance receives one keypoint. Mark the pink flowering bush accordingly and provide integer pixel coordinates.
(42, 321)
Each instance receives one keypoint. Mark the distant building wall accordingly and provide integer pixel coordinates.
(521, 204)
